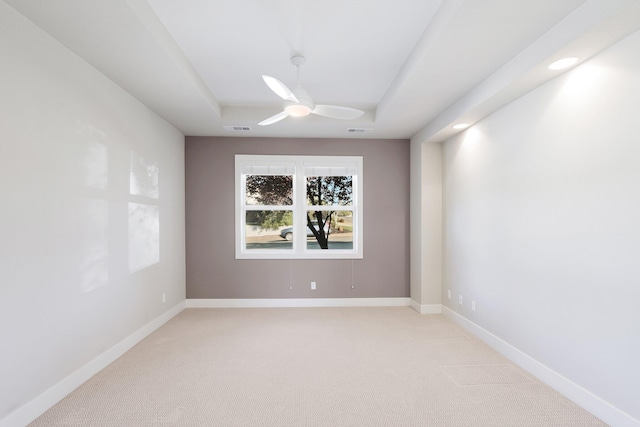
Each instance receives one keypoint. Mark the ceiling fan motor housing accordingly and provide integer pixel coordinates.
(303, 107)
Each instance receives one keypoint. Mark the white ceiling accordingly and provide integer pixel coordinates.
(415, 66)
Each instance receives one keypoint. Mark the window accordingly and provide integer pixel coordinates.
(298, 207)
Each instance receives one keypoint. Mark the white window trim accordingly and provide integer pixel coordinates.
(299, 250)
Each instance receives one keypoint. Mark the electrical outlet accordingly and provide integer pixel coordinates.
(449, 294)
(460, 299)
(313, 286)
(473, 306)
(164, 298)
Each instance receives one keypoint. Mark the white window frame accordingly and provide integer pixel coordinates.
(299, 207)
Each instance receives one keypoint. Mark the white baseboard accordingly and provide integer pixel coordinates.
(297, 302)
(32, 410)
(589, 401)
(426, 308)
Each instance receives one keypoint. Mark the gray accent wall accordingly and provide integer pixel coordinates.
(213, 271)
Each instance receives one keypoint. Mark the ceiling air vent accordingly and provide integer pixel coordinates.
(238, 128)
(359, 130)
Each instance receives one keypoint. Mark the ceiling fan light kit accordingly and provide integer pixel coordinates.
(297, 110)
(298, 103)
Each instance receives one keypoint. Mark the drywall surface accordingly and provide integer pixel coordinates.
(426, 223)
(415, 215)
(213, 271)
(91, 218)
(541, 224)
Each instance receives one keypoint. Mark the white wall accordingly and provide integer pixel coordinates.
(426, 227)
(83, 261)
(542, 224)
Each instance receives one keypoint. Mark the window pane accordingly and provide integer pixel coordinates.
(330, 190)
(269, 230)
(274, 190)
(324, 189)
(334, 230)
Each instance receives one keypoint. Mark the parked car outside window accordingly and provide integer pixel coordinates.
(287, 233)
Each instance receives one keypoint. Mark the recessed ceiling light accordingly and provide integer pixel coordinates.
(563, 63)
(461, 126)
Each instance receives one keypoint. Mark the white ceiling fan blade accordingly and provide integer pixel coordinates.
(279, 88)
(337, 112)
(271, 120)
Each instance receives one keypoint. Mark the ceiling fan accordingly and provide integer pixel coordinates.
(298, 103)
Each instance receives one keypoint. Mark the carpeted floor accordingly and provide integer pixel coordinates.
(313, 367)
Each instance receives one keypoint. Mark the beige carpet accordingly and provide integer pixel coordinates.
(313, 367)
